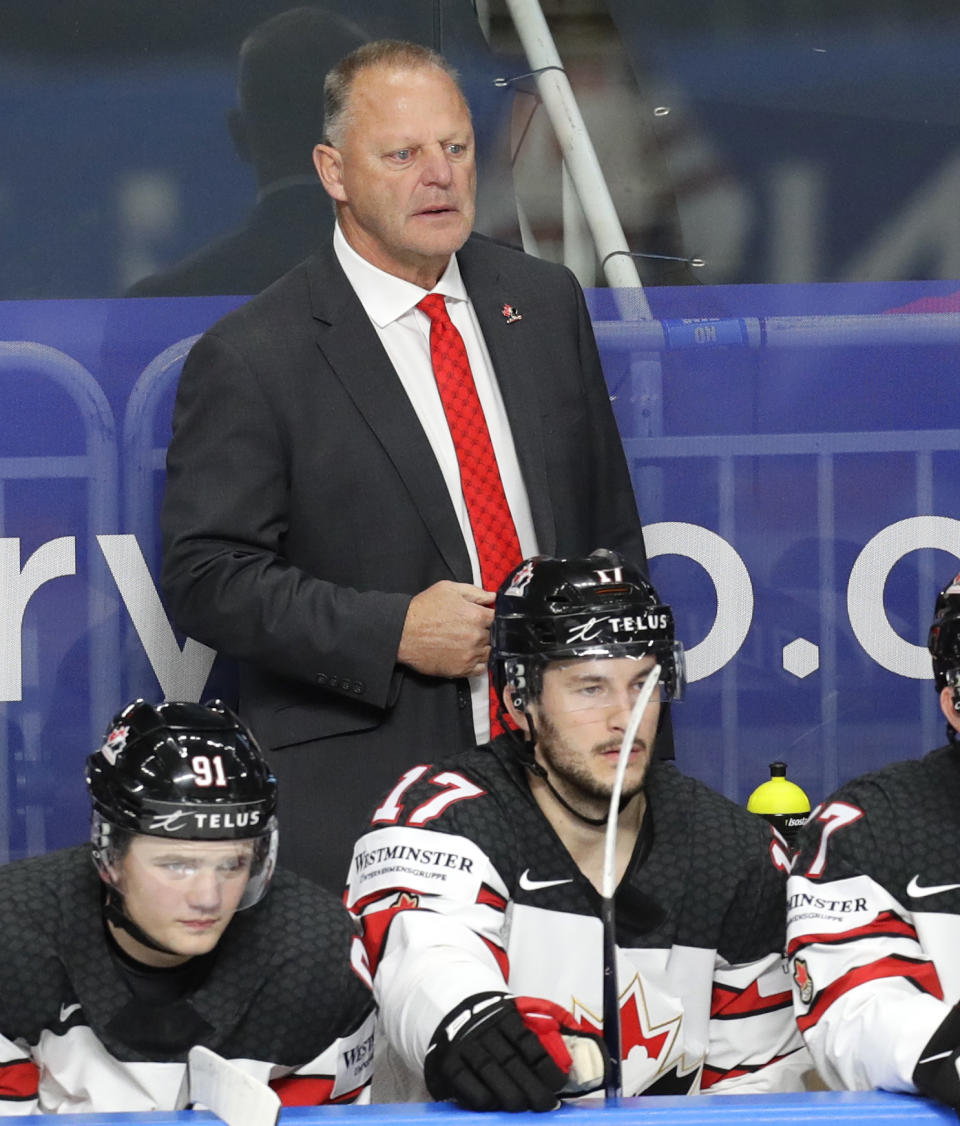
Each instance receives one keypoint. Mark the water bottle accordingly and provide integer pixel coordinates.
(781, 802)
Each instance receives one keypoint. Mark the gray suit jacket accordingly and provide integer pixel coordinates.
(304, 506)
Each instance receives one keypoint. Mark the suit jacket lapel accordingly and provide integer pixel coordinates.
(351, 346)
(514, 354)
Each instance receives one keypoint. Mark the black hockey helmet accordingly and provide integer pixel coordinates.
(599, 606)
(183, 771)
(943, 640)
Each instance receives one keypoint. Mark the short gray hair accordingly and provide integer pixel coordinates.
(398, 53)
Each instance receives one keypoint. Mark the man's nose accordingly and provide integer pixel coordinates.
(436, 166)
(206, 889)
(621, 705)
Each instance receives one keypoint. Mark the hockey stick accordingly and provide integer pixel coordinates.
(608, 887)
(226, 1089)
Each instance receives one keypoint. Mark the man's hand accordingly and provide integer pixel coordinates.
(447, 630)
(937, 1074)
(495, 1052)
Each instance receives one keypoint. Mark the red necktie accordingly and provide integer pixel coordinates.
(494, 534)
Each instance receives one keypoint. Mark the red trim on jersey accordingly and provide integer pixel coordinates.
(501, 956)
(309, 1090)
(728, 1003)
(19, 1079)
(303, 1090)
(887, 924)
(382, 895)
(922, 974)
(376, 924)
(487, 897)
(711, 1075)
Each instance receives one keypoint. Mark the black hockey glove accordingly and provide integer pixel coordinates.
(495, 1052)
(936, 1074)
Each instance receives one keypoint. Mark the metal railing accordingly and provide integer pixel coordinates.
(587, 204)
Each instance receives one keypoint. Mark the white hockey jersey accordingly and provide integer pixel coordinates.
(463, 887)
(873, 921)
(282, 999)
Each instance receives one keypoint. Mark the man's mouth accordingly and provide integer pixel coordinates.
(637, 748)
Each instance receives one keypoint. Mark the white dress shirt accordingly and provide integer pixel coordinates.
(390, 303)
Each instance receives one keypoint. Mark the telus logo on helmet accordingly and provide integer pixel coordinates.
(590, 630)
(183, 821)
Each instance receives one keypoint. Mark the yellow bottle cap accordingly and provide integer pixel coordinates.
(779, 795)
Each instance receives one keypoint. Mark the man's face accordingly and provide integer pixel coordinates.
(580, 721)
(405, 173)
(182, 893)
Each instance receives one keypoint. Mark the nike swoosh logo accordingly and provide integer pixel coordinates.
(915, 891)
(536, 885)
(66, 1010)
(938, 1056)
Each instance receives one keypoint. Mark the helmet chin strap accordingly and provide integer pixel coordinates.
(113, 913)
(529, 761)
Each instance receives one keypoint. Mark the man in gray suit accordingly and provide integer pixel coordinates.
(314, 522)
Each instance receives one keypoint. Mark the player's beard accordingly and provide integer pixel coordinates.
(570, 768)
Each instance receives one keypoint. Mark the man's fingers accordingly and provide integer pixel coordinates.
(447, 630)
(478, 595)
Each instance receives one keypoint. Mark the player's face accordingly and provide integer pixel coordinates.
(580, 720)
(182, 893)
(405, 173)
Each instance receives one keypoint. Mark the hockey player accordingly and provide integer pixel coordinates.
(874, 911)
(477, 883)
(115, 960)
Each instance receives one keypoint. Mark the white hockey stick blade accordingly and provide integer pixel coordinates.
(608, 878)
(229, 1091)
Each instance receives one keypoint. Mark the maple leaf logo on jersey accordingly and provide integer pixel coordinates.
(640, 1038)
(801, 975)
(406, 899)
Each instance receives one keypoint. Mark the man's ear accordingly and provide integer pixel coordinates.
(110, 875)
(949, 705)
(329, 165)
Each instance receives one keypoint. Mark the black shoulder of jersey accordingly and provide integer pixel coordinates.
(905, 817)
(711, 858)
(38, 898)
(285, 964)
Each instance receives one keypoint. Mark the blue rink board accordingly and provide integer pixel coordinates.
(844, 1107)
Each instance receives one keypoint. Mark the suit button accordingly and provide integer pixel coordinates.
(358, 687)
(333, 682)
(321, 678)
(463, 698)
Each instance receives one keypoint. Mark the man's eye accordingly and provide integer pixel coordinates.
(238, 864)
(402, 154)
(456, 150)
